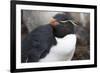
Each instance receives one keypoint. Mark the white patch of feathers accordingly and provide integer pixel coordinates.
(63, 51)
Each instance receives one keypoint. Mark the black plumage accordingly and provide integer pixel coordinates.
(37, 44)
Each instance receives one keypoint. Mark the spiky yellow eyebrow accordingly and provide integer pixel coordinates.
(72, 21)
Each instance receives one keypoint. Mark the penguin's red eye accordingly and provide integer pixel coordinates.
(63, 30)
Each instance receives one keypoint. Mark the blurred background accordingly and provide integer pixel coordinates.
(31, 19)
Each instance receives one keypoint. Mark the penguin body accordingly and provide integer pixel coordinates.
(63, 51)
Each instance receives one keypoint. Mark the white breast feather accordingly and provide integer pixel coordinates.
(63, 51)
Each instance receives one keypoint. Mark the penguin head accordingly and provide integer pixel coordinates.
(64, 25)
(64, 28)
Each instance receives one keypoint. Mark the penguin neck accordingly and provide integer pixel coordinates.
(65, 36)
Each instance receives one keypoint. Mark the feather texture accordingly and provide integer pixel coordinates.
(63, 51)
